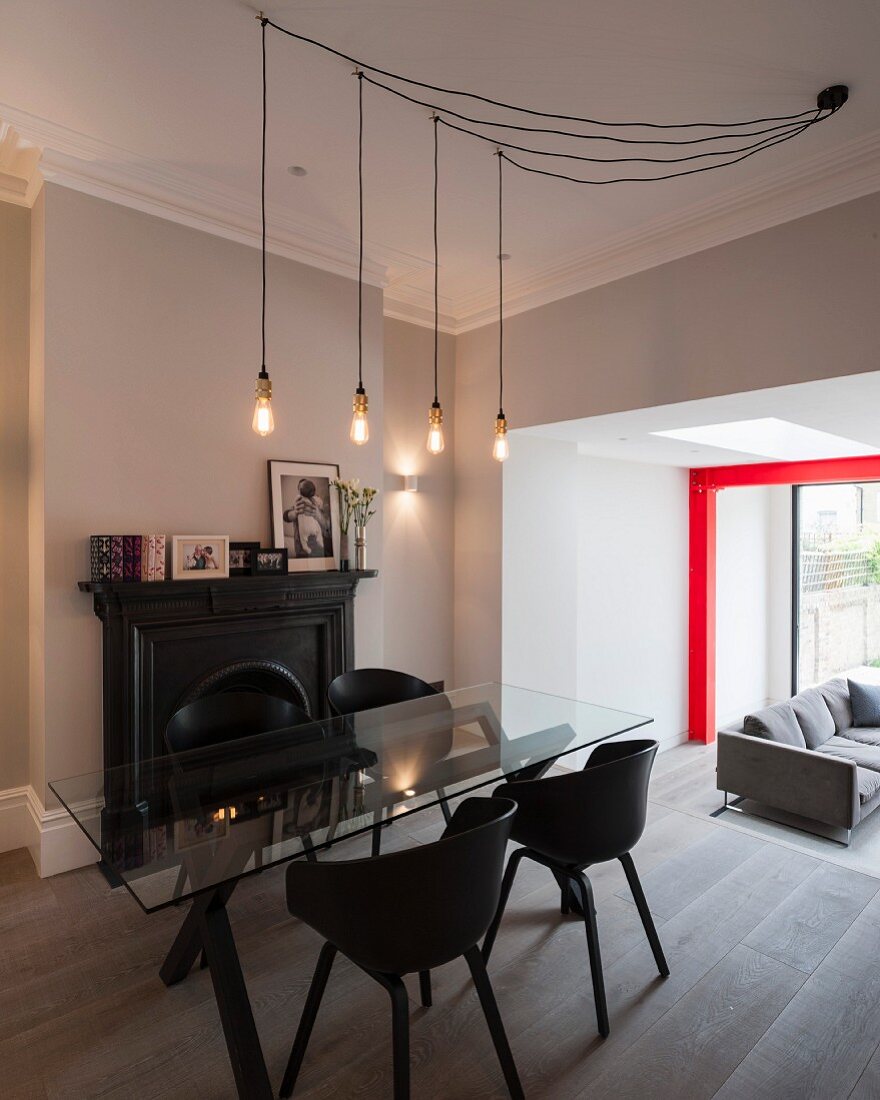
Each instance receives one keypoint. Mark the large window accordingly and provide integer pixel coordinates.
(836, 591)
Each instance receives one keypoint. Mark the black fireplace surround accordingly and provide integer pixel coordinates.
(167, 643)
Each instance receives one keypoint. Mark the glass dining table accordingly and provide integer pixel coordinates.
(190, 826)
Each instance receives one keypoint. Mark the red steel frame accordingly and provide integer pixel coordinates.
(704, 486)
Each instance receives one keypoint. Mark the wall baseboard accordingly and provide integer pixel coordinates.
(54, 840)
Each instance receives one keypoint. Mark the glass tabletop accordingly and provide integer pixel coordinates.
(177, 825)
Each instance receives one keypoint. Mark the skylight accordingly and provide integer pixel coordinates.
(770, 437)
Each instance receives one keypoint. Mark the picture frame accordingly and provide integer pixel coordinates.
(270, 561)
(199, 557)
(242, 558)
(304, 513)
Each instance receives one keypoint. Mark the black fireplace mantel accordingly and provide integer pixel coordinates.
(165, 642)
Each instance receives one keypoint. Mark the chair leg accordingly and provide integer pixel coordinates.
(506, 883)
(474, 959)
(307, 1020)
(586, 892)
(399, 1035)
(638, 894)
(444, 805)
(425, 988)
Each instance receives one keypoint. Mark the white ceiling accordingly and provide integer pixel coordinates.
(158, 103)
(844, 407)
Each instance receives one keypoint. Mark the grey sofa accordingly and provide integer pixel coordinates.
(803, 763)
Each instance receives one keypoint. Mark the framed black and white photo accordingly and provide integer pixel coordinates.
(242, 559)
(270, 561)
(200, 557)
(305, 513)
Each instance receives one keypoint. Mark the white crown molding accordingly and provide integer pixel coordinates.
(87, 164)
(106, 171)
(20, 178)
(834, 176)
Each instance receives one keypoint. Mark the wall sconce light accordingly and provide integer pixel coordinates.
(410, 483)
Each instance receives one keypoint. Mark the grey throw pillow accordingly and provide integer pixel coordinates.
(777, 723)
(836, 695)
(814, 717)
(865, 700)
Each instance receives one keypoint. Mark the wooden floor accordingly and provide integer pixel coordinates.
(774, 990)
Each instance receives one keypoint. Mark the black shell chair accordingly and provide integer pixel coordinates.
(227, 716)
(364, 689)
(224, 717)
(407, 912)
(569, 822)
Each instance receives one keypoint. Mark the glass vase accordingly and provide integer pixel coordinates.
(360, 547)
(344, 564)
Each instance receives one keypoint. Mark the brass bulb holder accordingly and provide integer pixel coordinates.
(435, 415)
(501, 424)
(359, 403)
(263, 386)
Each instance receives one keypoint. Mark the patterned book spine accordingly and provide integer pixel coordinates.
(160, 557)
(131, 558)
(99, 553)
(116, 558)
(151, 558)
(145, 556)
(136, 557)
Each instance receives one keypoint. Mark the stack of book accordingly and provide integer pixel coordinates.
(127, 557)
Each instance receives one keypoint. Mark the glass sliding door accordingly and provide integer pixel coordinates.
(836, 589)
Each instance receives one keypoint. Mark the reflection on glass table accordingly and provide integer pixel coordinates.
(191, 825)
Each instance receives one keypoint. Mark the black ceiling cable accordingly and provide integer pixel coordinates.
(529, 110)
(791, 131)
(435, 120)
(568, 133)
(652, 179)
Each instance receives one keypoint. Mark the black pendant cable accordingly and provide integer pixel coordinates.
(263, 422)
(360, 429)
(435, 416)
(501, 448)
(651, 151)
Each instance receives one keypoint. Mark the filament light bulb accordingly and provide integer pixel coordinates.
(263, 422)
(501, 448)
(360, 429)
(436, 442)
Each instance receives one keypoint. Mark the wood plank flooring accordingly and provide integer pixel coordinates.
(774, 989)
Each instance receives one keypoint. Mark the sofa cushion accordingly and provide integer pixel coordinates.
(813, 717)
(869, 735)
(836, 694)
(865, 700)
(869, 784)
(777, 723)
(865, 756)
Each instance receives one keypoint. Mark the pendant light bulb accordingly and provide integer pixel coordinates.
(436, 442)
(501, 449)
(360, 429)
(263, 422)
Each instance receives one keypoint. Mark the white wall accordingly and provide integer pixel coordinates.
(632, 590)
(540, 566)
(742, 602)
(595, 601)
(753, 594)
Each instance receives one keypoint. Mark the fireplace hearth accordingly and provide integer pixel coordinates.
(168, 643)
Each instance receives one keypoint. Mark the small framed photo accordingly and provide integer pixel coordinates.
(305, 513)
(242, 558)
(200, 557)
(270, 561)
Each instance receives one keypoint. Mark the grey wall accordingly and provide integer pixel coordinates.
(418, 527)
(14, 292)
(151, 349)
(794, 303)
